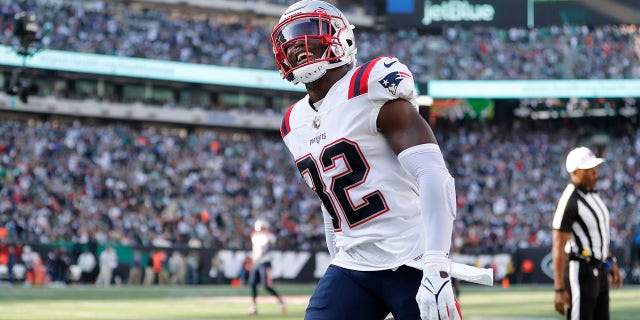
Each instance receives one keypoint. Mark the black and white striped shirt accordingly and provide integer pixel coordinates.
(585, 215)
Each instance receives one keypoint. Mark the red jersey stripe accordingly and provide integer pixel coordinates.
(360, 79)
(285, 126)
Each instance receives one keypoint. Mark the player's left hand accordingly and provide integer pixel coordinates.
(562, 302)
(615, 278)
(435, 297)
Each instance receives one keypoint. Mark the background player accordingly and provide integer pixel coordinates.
(361, 145)
(262, 240)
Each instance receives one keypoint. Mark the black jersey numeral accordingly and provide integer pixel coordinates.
(335, 197)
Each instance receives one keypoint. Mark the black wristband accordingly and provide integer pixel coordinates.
(560, 290)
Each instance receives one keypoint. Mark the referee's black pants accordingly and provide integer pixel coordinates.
(588, 290)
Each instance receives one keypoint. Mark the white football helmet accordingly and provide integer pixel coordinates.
(312, 20)
(260, 224)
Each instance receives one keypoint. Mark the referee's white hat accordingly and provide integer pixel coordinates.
(582, 158)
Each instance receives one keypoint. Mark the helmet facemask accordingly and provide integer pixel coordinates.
(307, 34)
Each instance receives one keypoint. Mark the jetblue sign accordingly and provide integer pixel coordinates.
(457, 11)
(436, 14)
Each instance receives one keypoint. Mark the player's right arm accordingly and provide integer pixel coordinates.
(564, 216)
(412, 140)
(562, 300)
(403, 126)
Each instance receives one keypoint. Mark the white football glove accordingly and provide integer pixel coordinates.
(435, 297)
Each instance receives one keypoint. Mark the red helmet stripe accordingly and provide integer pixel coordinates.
(360, 79)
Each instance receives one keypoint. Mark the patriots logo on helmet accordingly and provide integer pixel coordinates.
(393, 79)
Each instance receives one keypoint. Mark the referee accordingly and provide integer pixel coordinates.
(582, 263)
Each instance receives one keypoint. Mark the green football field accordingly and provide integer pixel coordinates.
(225, 302)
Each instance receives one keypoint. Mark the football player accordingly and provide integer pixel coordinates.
(387, 197)
(262, 240)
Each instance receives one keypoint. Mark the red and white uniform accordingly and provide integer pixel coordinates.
(341, 155)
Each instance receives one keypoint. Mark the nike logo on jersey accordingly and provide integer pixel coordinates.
(388, 65)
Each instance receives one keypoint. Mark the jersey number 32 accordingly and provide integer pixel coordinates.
(335, 197)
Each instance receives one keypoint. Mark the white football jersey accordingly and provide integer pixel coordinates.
(341, 155)
(261, 243)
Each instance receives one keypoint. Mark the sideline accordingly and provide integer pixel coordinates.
(261, 299)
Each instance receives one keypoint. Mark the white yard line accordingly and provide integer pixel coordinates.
(261, 299)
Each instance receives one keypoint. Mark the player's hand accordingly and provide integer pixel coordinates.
(562, 302)
(435, 297)
(615, 278)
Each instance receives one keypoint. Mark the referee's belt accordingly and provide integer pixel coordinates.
(588, 259)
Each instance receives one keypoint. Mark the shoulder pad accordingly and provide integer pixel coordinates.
(383, 79)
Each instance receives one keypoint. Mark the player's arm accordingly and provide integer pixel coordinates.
(615, 278)
(564, 216)
(329, 235)
(391, 86)
(560, 239)
(413, 141)
(403, 126)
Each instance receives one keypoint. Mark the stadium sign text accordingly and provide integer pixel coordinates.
(455, 10)
(285, 264)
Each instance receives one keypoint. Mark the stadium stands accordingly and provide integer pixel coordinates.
(115, 28)
(137, 186)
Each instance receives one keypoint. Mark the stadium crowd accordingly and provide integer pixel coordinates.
(116, 183)
(115, 28)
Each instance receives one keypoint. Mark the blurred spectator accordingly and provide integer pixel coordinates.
(193, 267)
(216, 272)
(29, 257)
(12, 259)
(87, 263)
(177, 268)
(39, 274)
(58, 267)
(108, 261)
(135, 269)
(160, 267)
(149, 270)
